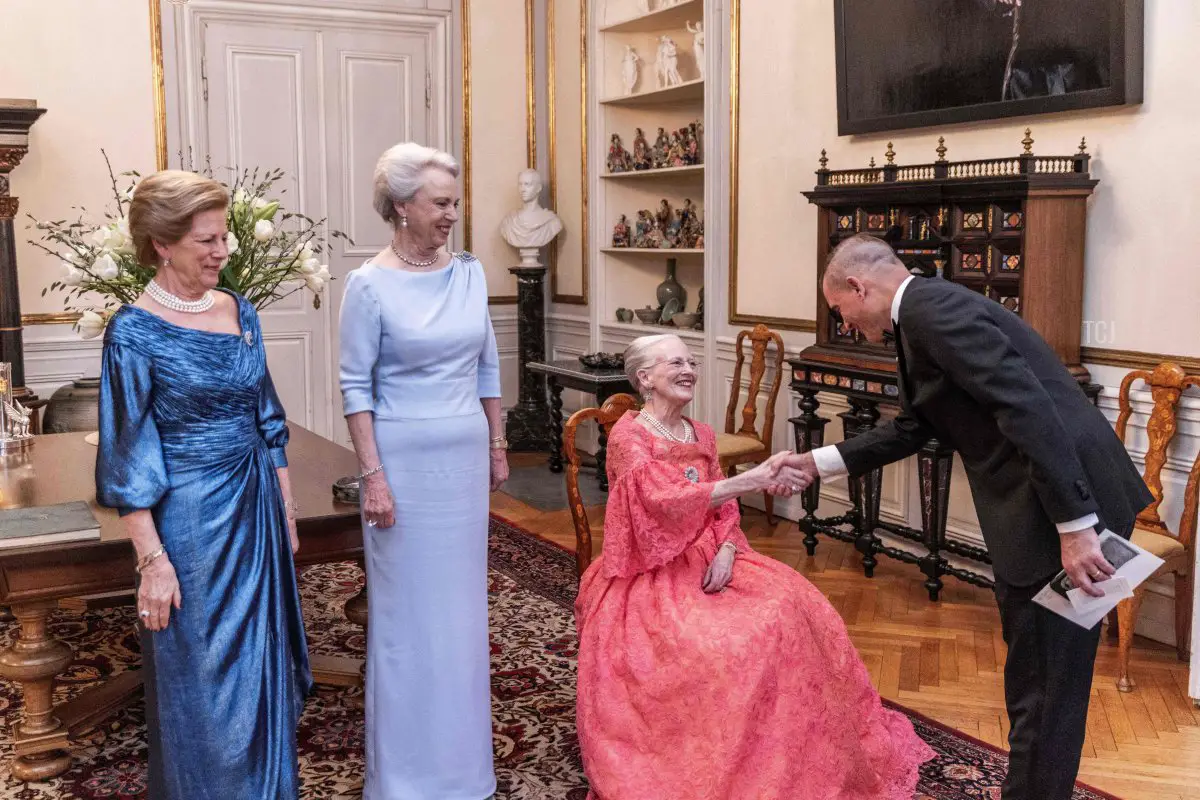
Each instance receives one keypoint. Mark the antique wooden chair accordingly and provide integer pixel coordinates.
(606, 416)
(745, 445)
(1167, 382)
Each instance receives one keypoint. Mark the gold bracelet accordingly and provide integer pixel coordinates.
(499, 443)
(145, 560)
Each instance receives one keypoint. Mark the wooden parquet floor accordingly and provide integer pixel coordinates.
(946, 659)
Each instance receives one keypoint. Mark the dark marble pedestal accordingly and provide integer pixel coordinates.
(527, 425)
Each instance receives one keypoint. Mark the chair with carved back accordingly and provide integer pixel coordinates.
(1166, 383)
(746, 445)
(606, 416)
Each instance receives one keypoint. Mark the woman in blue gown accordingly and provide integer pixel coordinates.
(420, 380)
(192, 454)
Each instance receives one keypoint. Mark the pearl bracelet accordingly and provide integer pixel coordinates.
(369, 472)
(731, 544)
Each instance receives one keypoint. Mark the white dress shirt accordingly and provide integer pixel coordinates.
(831, 465)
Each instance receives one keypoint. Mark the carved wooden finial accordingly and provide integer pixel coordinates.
(824, 160)
(891, 154)
(1083, 146)
(941, 148)
(872, 162)
(1028, 142)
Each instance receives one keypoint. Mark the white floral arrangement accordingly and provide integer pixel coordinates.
(273, 253)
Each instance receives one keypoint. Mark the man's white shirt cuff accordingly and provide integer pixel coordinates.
(1078, 525)
(830, 464)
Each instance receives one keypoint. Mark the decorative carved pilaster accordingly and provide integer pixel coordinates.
(8, 208)
(10, 157)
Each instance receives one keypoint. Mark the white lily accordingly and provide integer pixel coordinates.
(309, 266)
(323, 273)
(240, 197)
(231, 242)
(105, 268)
(90, 325)
(71, 274)
(263, 230)
(315, 283)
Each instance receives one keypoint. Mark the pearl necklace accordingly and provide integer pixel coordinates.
(410, 262)
(688, 436)
(168, 300)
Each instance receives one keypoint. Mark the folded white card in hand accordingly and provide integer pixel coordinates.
(1117, 589)
(1133, 565)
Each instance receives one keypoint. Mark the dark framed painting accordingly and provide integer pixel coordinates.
(917, 63)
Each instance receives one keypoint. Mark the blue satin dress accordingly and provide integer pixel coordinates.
(191, 428)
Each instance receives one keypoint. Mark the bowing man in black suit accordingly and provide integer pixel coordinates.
(1047, 474)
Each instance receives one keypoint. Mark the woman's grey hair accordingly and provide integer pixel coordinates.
(640, 355)
(399, 174)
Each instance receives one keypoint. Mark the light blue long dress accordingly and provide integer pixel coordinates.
(418, 351)
(191, 428)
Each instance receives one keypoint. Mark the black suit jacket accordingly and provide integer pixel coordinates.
(1035, 449)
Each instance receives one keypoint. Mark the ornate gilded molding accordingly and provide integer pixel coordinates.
(1135, 359)
(465, 44)
(530, 87)
(159, 84)
(735, 79)
(50, 319)
(10, 157)
(552, 116)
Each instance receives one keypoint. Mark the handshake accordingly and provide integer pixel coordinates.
(782, 475)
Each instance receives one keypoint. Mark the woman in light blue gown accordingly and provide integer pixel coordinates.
(192, 454)
(420, 384)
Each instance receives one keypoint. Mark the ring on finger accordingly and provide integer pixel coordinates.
(144, 613)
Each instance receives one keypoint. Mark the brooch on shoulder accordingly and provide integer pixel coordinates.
(465, 255)
(248, 338)
(692, 474)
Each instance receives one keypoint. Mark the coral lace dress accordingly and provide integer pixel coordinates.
(755, 692)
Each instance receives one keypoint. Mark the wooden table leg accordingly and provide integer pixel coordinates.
(935, 464)
(864, 489)
(32, 662)
(556, 426)
(809, 429)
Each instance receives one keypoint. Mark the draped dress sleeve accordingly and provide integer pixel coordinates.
(271, 417)
(131, 473)
(654, 510)
(361, 332)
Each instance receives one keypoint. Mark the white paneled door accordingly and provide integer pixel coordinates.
(319, 97)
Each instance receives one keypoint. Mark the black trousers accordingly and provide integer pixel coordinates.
(1047, 684)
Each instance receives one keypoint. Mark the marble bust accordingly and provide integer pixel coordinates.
(530, 227)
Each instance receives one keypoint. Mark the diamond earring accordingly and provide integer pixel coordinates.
(404, 222)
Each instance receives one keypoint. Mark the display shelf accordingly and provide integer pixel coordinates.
(696, 170)
(659, 19)
(665, 251)
(683, 92)
(643, 330)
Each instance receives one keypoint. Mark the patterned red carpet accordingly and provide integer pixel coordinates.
(532, 588)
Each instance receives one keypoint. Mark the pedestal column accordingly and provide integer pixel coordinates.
(16, 118)
(527, 427)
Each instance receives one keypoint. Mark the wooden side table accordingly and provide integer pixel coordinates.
(602, 383)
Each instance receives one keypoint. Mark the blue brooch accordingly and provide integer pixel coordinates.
(692, 474)
(248, 337)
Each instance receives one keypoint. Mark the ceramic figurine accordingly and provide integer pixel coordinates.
(692, 147)
(642, 228)
(662, 146)
(663, 217)
(630, 68)
(620, 237)
(674, 233)
(619, 159)
(641, 151)
(697, 33)
(675, 153)
(666, 65)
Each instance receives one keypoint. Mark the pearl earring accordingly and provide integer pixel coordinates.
(404, 222)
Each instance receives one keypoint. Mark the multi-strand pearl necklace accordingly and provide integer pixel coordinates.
(688, 435)
(168, 300)
(411, 263)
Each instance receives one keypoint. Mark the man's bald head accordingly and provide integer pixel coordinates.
(862, 256)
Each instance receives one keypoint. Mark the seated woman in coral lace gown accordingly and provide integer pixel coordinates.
(708, 671)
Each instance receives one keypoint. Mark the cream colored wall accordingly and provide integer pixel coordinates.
(88, 63)
(1142, 237)
(498, 131)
